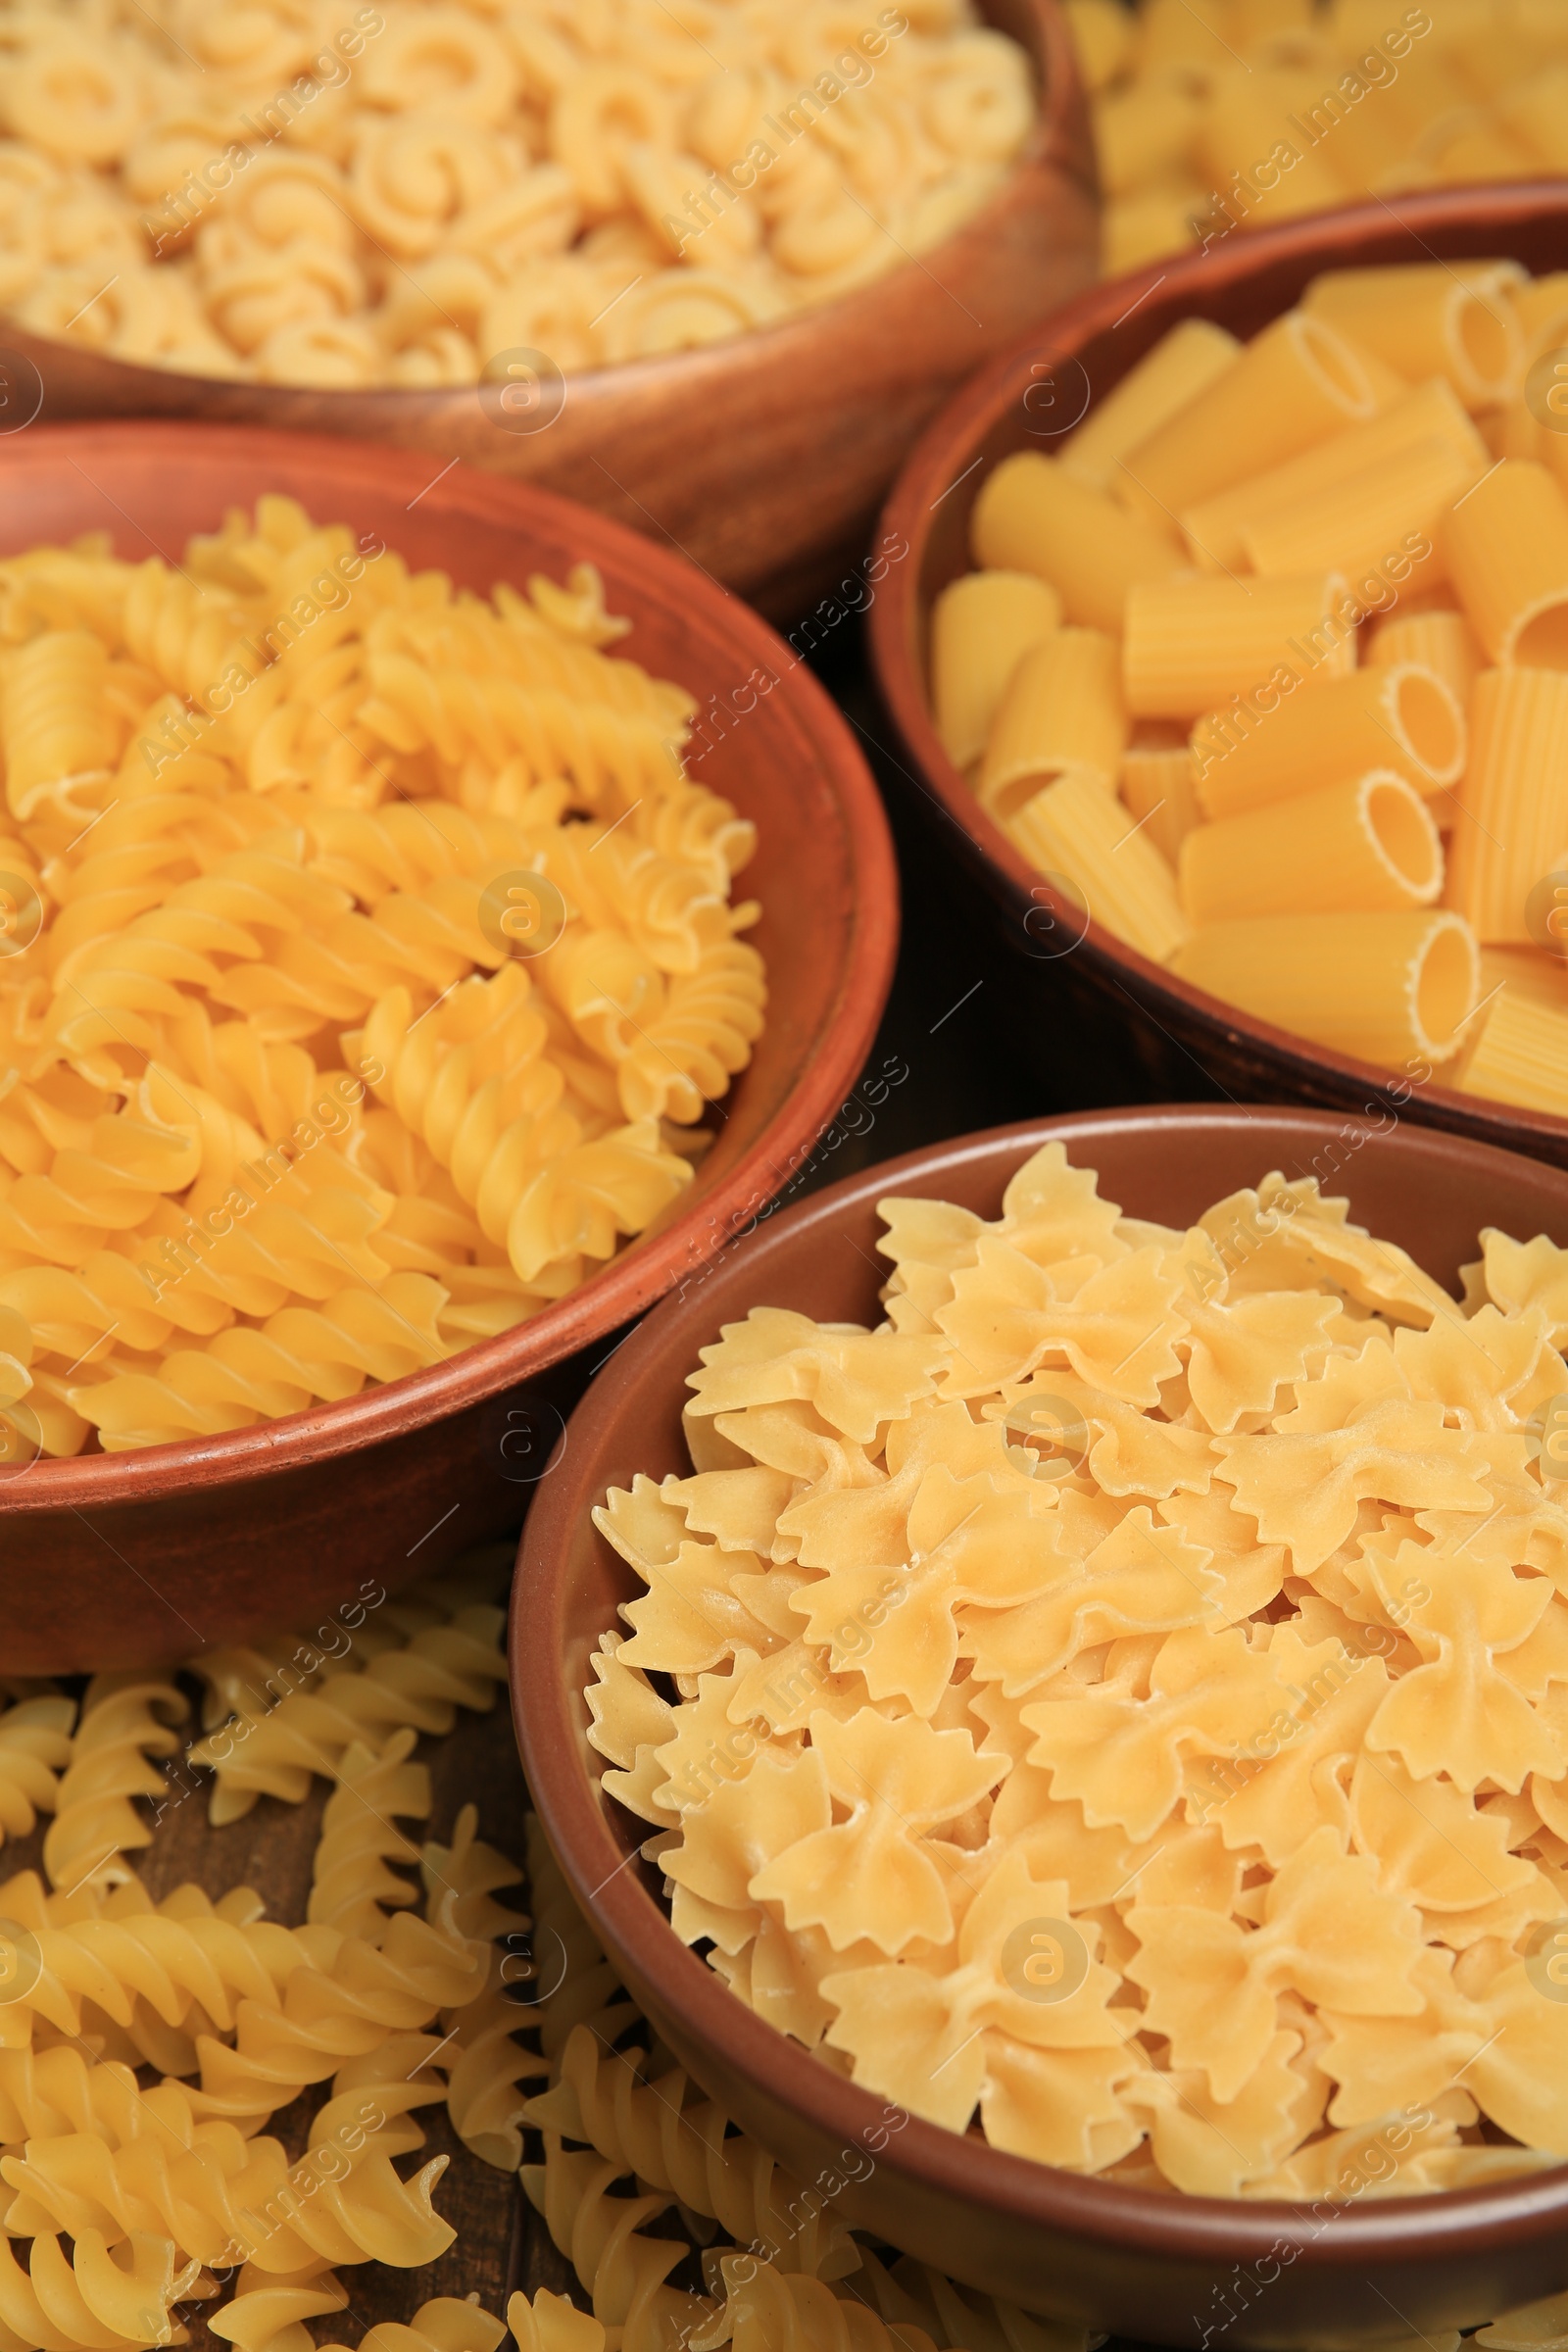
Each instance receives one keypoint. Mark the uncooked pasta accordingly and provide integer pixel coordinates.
(1114, 1703)
(368, 960)
(400, 193)
(1214, 117)
(1266, 667)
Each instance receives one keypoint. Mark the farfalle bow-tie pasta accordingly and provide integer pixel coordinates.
(1122, 1700)
(367, 960)
(346, 195)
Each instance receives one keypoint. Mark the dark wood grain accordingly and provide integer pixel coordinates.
(757, 458)
(174, 1549)
(1111, 1024)
(272, 1850)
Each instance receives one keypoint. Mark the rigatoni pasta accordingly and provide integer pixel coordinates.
(1032, 515)
(1363, 846)
(982, 625)
(1385, 988)
(1062, 713)
(1342, 727)
(1399, 716)
(1290, 106)
(1191, 644)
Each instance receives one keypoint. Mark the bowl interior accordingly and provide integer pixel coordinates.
(1428, 1192)
(823, 869)
(1030, 399)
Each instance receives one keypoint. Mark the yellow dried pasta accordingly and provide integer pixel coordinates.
(1371, 604)
(1119, 1699)
(369, 961)
(406, 195)
(1217, 121)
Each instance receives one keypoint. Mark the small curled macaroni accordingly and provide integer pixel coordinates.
(245, 191)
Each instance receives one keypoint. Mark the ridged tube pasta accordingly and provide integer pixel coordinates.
(1448, 319)
(1383, 987)
(1060, 715)
(1399, 716)
(1293, 385)
(1511, 829)
(655, 2129)
(1073, 830)
(982, 625)
(1032, 515)
(1520, 1055)
(1217, 528)
(1442, 642)
(1185, 360)
(1191, 644)
(53, 719)
(1393, 506)
(1366, 845)
(1506, 549)
(1246, 126)
(1158, 788)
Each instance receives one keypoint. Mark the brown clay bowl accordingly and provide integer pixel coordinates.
(1129, 1028)
(764, 459)
(1141, 2265)
(112, 1558)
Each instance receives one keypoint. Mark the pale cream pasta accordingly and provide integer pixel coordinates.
(1339, 733)
(399, 193)
(1113, 1721)
(1216, 119)
(368, 959)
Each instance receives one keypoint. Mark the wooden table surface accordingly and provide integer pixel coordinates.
(500, 2243)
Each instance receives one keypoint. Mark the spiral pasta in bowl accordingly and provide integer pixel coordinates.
(380, 1015)
(1246, 719)
(540, 235)
(940, 1800)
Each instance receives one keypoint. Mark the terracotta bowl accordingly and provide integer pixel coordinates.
(1141, 2265)
(710, 451)
(156, 1553)
(1127, 1028)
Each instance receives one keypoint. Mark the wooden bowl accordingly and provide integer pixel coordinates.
(1114, 1026)
(1142, 2265)
(112, 1558)
(762, 459)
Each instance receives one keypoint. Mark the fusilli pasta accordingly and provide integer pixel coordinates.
(385, 959)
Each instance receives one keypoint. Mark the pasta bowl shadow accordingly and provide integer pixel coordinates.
(762, 458)
(131, 1557)
(1109, 1025)
(1163, 2269)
